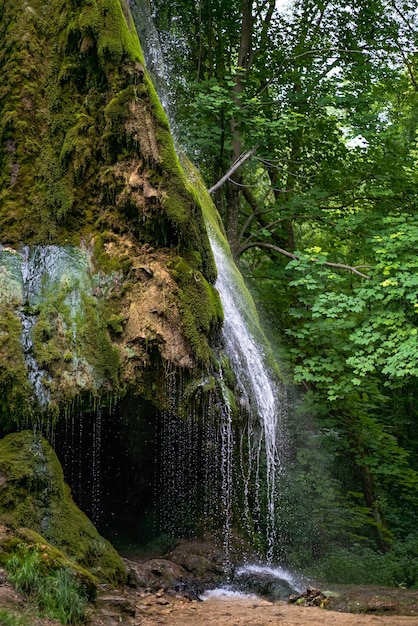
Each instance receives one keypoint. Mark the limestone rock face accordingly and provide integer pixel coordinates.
(106, 272)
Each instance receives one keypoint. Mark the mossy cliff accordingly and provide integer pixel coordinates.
(106, 273)
(33, 496)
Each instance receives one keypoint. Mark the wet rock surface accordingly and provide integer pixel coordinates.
(201, 559)
(312, 597)
(264, 584)
(155, 573)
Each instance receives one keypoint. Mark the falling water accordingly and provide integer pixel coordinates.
(188, 461)
(96, 466)
(295, 581)
(263, 437)
(170, 470)
(227, 448)
(152, 47)
(257, 388)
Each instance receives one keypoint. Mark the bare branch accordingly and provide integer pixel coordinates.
(244, 157)
(290, 255)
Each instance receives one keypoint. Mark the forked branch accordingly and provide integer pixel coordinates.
(233, 168)
(290, 255)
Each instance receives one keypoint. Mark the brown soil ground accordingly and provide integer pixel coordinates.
(145, 608)
(157, 609)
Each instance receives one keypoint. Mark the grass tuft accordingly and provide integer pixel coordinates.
(56, 592)
(8, 618)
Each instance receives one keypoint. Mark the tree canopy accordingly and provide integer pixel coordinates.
(303, 120)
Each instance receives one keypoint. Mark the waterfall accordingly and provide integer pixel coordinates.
(155, 57)
(227, 486)
(259, 392)
(194, 457)
(96, 478)
(262, 401)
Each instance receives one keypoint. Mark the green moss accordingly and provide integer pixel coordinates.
(46, 340)
(115, 323)
(197, 389)
(77, 146)
(14, 386)
(97, 346)
(66, 111)
(201, 309)
(103, 261)
(82, 137)
(33, 495)
(110, 25)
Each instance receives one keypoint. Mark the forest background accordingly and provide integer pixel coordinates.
(303, 121)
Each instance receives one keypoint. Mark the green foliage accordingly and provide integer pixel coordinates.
(8, 618)
(388, 338)
(56, 592)
(397, 568)
(213, 102)
(336, 322)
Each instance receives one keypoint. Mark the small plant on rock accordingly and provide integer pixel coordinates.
(56, 592)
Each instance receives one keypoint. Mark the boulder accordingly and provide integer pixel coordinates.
(36, 508)
(154, 574)
(201, 559)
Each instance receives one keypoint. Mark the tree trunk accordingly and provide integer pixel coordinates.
(244, 64)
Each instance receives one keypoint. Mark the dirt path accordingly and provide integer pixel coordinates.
(153, 611)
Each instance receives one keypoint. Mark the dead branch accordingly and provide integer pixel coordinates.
(233, 168)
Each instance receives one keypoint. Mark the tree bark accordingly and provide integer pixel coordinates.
(243, 65)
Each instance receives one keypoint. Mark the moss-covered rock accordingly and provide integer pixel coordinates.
(83, 137)
(33, 495)
(25, 541)
(91, 185)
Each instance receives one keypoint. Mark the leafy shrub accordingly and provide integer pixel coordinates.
(56, 592)
(346, 567)
(397, 568)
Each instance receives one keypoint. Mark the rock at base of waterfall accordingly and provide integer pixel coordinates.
(154, 574)
(311, 597)
(265, 584)
(201, 559)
